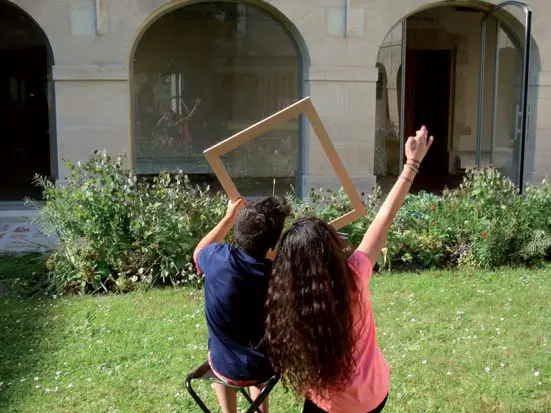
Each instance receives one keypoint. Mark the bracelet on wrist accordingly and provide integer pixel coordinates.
(414, 161)
(413, 168)
(405, 178)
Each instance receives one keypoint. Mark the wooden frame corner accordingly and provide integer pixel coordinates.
(303, 106)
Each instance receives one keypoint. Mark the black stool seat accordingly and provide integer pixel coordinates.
(204, 372)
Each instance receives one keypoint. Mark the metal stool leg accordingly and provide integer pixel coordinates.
(255, 406)
(247, 397)
(204, 372)
(194, 395)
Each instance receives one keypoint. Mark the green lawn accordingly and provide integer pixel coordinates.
(456, 342)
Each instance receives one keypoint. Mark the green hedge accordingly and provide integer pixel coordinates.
(118, 233)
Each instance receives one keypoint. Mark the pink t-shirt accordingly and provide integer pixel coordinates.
(369, 384)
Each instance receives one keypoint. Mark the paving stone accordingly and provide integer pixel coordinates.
(23, 236)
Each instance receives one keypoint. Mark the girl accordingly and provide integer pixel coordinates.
(320, 324)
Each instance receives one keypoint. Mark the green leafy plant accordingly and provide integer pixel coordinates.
(117, 232)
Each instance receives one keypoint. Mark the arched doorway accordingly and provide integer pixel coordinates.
(25, 110)
(434, 55)
(204, 71)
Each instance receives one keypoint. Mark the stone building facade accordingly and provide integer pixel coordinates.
(162, 80)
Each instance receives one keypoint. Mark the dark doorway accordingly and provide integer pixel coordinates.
(428, 96)
(24, 110)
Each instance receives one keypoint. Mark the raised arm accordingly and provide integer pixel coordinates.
(221, 230)
(375, 237)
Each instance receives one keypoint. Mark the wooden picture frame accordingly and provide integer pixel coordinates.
(303, 106)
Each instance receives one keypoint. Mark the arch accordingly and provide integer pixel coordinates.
(294, 33)
(38, 28)
(237, 44)
(437, 29)
(513, 26)
(28, 114)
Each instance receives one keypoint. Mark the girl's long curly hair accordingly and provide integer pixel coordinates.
(310, 325)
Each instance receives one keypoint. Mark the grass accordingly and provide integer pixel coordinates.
(22, 274)
(456, 342)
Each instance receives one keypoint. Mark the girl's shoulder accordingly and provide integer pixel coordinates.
(360, 264)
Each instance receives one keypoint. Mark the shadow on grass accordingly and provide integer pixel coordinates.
(21, 330)
(23, 274)
(21, 325)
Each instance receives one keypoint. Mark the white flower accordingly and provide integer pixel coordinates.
(88, 380)
(170, 338)
(536, 373)
(449, 373)
(424, 361)
(47, 390)
(70, 385)
(487, 369)
(37, 386)
(36, 378)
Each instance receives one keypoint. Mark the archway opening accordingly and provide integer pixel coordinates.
(25, 116)
(437, 50)
(204, 71)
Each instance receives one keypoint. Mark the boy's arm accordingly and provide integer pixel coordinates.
(221, 230)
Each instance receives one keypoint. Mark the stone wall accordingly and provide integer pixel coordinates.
(93, 41)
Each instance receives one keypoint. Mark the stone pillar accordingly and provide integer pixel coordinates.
(345, 100)
(93, 112)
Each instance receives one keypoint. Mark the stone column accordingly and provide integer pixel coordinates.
(93, 112)
(345, 99)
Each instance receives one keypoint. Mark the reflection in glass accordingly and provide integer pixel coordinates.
(205, 72)
(507, 105)
(387, 123)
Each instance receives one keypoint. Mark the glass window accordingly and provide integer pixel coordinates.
(205, 72)
(387, 124)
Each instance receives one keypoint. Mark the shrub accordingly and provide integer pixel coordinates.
(533, 240)
(116, 231)
(329, 205)
(484, 223)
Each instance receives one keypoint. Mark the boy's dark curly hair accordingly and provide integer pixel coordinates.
(312, 291)
(259, 225)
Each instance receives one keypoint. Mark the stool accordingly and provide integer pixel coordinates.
(204, 372)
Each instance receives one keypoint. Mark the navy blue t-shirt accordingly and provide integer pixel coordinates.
(236, 285)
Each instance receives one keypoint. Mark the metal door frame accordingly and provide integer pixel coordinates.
(525, 83)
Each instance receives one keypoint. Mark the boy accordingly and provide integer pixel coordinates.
(236, 285)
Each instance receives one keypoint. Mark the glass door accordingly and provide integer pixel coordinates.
(503, 90)
(389, 108)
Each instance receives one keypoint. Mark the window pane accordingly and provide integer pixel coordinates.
(387, 127)
(205, 72)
